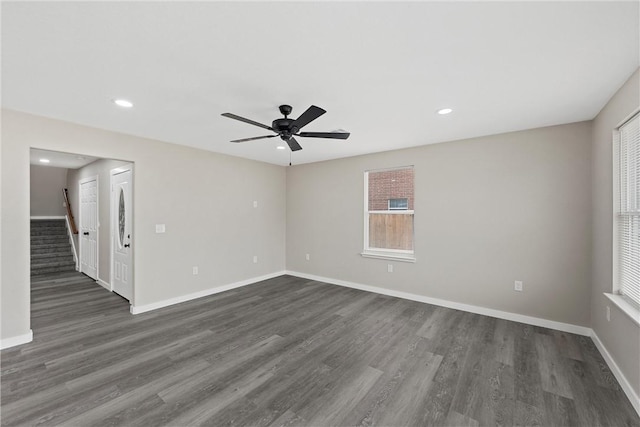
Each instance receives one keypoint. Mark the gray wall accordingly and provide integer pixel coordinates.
(621, 336)
(46, 185)
(101, 169)
(205, 200)
(488, 211)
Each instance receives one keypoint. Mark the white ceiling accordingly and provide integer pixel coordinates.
(380, 69)
(58, 159)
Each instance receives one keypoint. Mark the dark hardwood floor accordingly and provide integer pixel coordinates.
(290, 351)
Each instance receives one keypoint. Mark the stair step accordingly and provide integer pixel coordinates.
(36, 270)
(55, 263)
(49, 231)
(60, 243)
(41, 240)
(48, 223)
(50, 255)
(49, 270)
(51, 248)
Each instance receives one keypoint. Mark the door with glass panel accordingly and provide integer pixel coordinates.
(121, 231)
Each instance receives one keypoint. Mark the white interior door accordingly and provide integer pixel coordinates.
(89, 227)
(121, 230)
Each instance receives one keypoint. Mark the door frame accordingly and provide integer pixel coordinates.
(112, 210)
(80, 182)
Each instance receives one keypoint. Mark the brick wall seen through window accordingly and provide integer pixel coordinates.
(392, 184)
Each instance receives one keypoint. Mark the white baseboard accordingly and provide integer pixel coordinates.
(47, 217)
(104, 284)
(137, 309)
(14, 341)
(536, 321)
(624, 383)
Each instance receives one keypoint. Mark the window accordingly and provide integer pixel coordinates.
(388, 214)
(627, 210)
(398, 204)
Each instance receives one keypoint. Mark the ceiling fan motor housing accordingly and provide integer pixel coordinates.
(284, 127)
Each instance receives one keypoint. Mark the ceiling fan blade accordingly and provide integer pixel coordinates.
(308, 116)
(333, 135)
(242, 119)
(293, 144)
(254, 138)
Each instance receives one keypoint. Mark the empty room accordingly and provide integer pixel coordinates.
(320, 213)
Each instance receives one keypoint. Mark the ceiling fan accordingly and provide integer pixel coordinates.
(287, 128)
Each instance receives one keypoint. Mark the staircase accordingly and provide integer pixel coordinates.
(50, 247)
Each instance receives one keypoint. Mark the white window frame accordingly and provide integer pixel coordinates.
(628, 306)
(388, 254)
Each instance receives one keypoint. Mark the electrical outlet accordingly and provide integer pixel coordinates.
(160, 228)
(389, 268)
(517, 286)
(255, 259)
(307, 257)
(195, 271)
(608, 314)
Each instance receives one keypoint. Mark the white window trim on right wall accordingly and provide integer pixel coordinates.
(622, 302)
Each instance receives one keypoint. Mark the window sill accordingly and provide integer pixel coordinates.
(390, 257)
(625, 306)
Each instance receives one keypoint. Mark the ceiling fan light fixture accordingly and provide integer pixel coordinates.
(444, 111)
(123, 103)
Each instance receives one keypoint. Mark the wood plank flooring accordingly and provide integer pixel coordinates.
(294, 352)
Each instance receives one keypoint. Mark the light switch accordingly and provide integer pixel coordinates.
(255, 203)
(160, 228)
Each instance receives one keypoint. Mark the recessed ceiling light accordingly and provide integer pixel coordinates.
(45, 160)
(280, 147)
(445, 111)
(123, 103)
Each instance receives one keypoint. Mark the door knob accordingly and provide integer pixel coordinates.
(126, 245)
(86, 233)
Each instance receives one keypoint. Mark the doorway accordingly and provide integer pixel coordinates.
(88, 179)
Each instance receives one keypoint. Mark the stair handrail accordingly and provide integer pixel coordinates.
(72, 221)
(74, 251)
